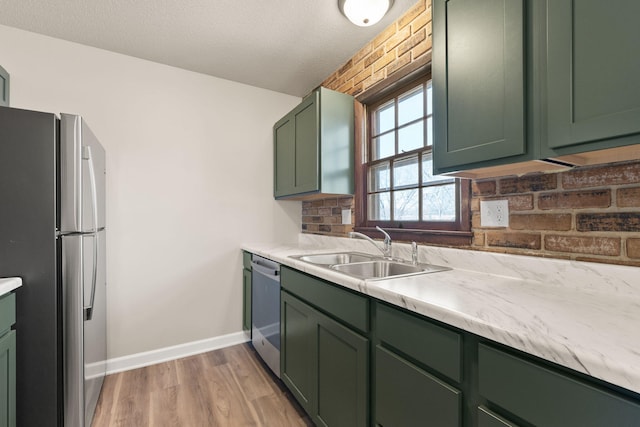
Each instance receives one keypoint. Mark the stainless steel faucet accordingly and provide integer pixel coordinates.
(414, 253)
(386, 249)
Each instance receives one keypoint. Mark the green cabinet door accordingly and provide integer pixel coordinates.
(314, 147)
(324, 364)
(479, 82)
(296, 146)
(246, 299)
(8, 379)
(298, 350)
(284, 157)
(486, 418)
(408, 396)
(343, 371)
(4, 87)
(307, 136)
(592, 74)
(549, 398)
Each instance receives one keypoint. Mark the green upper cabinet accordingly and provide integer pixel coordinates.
(314, 147)
(479, 82)
(4, 87)
(592, 75)
(519, 82)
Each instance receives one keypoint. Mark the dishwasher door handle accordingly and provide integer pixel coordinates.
(267, 271)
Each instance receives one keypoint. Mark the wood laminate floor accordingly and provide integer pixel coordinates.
(226, 387)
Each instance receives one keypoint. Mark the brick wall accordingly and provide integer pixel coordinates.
(589, 213)
(324, 216)
(398, 45)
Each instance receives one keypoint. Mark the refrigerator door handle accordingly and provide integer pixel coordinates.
(86, 155)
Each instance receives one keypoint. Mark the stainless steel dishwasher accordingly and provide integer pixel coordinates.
(265, 311)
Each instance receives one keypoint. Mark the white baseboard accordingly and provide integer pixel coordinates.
(152, 357)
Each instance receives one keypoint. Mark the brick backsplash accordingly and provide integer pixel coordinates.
(324, 216)
(588, 213)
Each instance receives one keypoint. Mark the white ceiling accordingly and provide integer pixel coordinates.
(288, 46)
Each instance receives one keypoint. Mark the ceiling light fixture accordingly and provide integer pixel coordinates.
(364, 13)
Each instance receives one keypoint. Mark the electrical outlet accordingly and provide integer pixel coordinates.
(346, 216)
(494, 213)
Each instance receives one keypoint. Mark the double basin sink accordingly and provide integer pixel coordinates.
(364, 266)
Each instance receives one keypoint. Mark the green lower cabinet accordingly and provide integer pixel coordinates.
(486, 418)
(325, 365)
(343, 371)
(246, 291)
(415, 364)
(547, 398)
(246, 299)
(298, 350)
(4, 87)
(336, 345)
(8, 380)
(408, 396)
(7, 361)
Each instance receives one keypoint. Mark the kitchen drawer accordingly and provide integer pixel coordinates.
(408, 396)
(344, 305)
(7, 312)
(436, 347)
(544, 397)
(246, 260)
(486, 418)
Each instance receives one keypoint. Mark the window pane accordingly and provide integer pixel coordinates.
(427, 171)
(406, 205)
(439, 203)
(429, 131)
(385, 118)
(379, 207)
(410, 106)
(405, 172)
(383, 146)
(411, 137)
(379, 177)
(427, 168)
(429, 98)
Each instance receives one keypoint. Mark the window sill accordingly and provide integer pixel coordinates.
(435, 237)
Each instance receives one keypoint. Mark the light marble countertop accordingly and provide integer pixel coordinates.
(584, 316)
(9, 284)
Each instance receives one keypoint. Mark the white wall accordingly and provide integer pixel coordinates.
(189, 166)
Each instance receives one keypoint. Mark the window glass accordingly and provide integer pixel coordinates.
(400, 186)
(405, 172)
(406, 205)
(385, 118)
(383, 146)
(379, 178)
(411, 137)
(379, 206)
(411, 106)
(439, 203)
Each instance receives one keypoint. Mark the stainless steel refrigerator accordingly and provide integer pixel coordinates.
(52, 234)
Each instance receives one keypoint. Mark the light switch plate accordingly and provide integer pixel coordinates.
(494, 213)
(346, 216)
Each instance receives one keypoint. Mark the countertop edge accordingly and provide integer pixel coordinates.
(8, 284)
